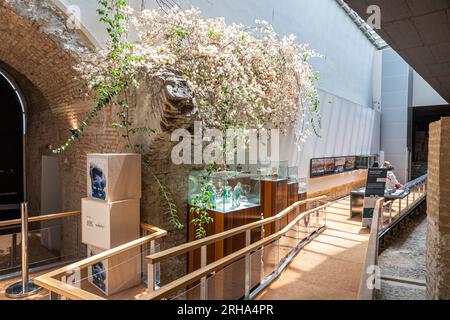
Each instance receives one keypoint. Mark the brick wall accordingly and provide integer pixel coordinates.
(39, 51)
(438, 201)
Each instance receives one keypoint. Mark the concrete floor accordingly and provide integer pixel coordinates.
(328, 268)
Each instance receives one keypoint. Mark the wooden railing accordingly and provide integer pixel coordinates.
(368, 280)
(207, 269)
(417, 191)
(47, 217)
(371, 277)
(54, 283)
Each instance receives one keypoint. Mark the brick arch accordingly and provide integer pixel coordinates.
(35, 41)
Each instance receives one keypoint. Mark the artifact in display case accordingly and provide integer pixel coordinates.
(350, 163)
(339, 165)
(317, 168)
(302, 185)
(273, 170)
(293, 175)
(328, 166)
(365, 162)
(229, 191)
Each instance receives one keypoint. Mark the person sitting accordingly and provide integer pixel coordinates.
(391, 182)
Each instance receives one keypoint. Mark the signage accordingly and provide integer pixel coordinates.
(375, 188)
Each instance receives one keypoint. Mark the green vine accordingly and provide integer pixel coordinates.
(121, 74)
(202, 204)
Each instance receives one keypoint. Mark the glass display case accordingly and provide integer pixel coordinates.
(302, 185)
(274, 170)
(293, 175)
(365, 162)
(229, 191)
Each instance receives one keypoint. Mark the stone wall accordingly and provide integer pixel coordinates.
(39, 51)
(438, 201)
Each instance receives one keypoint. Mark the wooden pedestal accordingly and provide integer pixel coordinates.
(273, 199)
(115, 274)
(114, 177)
(108, 225)
(223, 222)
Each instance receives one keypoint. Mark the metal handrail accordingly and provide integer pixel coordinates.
(48, 217)
(207, 269)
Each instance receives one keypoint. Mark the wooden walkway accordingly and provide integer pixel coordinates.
(330, 267)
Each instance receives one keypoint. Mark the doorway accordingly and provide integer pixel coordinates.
(12, 133)
(420, 122)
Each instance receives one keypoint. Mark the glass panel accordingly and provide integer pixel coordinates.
(256, 270)
(302, 229)
(270, 258)
(45, 246)
(193, 293)
(228, 283)
(288, 243)
(147, 250)
(116, 278)
(230, 190)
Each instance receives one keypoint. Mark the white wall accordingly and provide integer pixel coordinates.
(424, 95)
(350, 125)
(394, 119)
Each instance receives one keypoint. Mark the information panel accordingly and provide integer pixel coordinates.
(375, 188)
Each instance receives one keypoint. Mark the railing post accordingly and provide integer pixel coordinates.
(414, 193)
(262, 275)
(150, 277)
(390, 211)
(407, 201)
(151, 281)
(203, 262)
(247, 265)
(25, 287)
(399, 206)
(54, 296)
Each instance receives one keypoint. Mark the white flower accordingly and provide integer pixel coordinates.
(240, 77)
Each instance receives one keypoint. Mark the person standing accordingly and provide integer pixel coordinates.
(391, 182)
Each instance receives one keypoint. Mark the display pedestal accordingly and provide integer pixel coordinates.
(114, 177)
(273, 199)
(110, 217)
(108, 225)
(115, 274)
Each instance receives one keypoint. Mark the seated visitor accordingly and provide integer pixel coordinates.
(391, 182)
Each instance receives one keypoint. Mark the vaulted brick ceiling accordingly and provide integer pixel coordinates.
(419, 30)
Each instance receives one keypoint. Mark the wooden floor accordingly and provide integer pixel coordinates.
(331, 266)
(41, 295)
(328, 268)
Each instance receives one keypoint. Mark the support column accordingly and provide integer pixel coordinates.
(438, 211)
